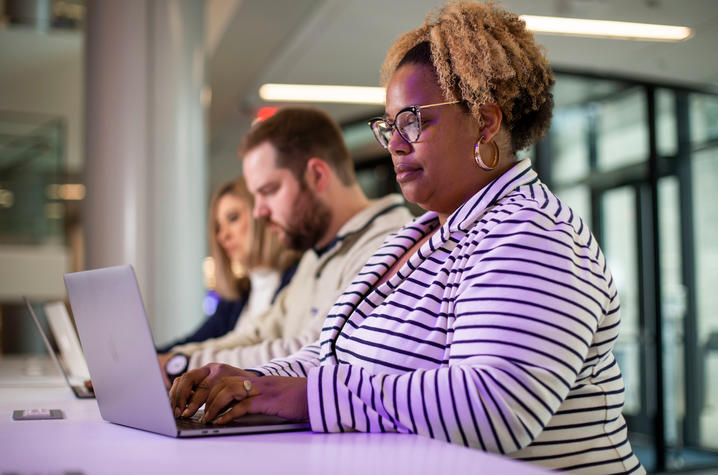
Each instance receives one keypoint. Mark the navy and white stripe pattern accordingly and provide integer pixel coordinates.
(497, 334)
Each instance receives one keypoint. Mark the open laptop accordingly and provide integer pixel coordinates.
(73, 379)
(65, 335)
(126, 375)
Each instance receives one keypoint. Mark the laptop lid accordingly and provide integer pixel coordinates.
(66, 338)
(77, 386)
(122, 360)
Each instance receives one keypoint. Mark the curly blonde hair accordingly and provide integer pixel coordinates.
(482, 54)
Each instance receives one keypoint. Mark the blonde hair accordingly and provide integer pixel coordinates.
(265, 248)
(482, 54)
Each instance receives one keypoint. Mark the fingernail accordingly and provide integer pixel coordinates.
(185, 413)
(177, 412)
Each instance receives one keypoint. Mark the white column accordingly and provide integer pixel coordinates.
(145, 153)
(179, 165)
(116, 136)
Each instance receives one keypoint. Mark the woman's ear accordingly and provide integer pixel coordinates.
(317, 174)
(491, 117)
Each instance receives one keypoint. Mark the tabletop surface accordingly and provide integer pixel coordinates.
(83, 443)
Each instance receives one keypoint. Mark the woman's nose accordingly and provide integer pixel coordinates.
(223, 235)
(398, 145)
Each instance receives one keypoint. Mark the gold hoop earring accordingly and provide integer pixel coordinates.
(480, 161)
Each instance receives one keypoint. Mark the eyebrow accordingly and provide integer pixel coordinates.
(269, 184)
(387, 116)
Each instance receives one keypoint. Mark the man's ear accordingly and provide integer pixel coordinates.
(491, 116)
(317, 174)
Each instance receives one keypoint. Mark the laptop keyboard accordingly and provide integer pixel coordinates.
(192, 422)
(248, 420)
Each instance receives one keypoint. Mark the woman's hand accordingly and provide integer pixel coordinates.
(273, 395)
(190, 391)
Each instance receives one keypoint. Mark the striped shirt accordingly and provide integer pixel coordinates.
(496, 334)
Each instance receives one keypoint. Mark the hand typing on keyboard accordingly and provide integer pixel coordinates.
(229, 393)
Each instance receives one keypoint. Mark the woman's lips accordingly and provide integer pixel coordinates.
(407, 172)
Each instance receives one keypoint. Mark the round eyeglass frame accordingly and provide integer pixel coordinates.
(415, 110)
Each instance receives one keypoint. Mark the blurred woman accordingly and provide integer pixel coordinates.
(490, 320)
(250, 265)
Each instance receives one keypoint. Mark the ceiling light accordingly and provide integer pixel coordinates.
(70, 191)
(606, 29)
(316, 93)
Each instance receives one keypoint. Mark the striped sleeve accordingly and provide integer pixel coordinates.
(296, 365)
(529, 294)
(256, 354)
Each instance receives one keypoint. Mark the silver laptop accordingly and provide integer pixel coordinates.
(65, 335)
(74, 380)
(121, 356)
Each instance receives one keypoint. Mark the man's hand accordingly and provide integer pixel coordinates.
(273, 395)
(190, 390)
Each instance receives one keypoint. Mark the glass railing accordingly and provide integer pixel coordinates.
(31, 164)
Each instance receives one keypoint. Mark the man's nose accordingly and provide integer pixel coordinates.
(260, 210)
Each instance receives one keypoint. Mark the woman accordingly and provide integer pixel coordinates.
(247, 256)
(490, 320)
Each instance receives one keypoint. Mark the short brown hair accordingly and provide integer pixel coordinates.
(265, 248)
(481, 54)
(301, 133)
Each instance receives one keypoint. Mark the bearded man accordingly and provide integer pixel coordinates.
(298, 168)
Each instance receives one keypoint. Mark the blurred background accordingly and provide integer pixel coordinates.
(118, 119)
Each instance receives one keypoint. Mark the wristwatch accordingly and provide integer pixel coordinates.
(176, 366)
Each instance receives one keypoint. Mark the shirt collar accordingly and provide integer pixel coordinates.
(362, 219)
(471, 211)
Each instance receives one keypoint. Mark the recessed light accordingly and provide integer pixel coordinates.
(606, 29)
(318, 93)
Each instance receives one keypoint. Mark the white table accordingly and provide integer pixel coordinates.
(83, 442)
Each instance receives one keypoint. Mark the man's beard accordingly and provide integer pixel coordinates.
(309, 222)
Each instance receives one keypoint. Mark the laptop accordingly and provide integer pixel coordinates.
(122, 360)
(75, 380)
(63, 330)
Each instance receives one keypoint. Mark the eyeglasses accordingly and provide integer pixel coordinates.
(407, 122)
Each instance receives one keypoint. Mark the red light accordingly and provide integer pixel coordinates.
(265, 113)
